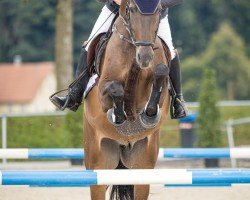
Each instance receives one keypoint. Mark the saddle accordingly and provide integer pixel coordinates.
(97, 48)
(95, 53)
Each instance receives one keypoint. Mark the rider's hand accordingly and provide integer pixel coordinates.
(117, 2)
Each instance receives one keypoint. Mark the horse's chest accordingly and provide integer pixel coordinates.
(133, 88)
(129, 128)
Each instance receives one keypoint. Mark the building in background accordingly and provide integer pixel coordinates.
(26, 87)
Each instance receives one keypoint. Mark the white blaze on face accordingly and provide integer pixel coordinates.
(137, 54)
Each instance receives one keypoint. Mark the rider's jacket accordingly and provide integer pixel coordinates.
(112, 6)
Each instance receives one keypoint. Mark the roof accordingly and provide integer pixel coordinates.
(19, 83)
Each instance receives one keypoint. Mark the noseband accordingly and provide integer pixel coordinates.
(132, 40)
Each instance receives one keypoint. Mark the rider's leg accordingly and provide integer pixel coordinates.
(179, 108)
(75, 91)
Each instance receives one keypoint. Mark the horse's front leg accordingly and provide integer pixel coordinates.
(113, 95)
(151, 113)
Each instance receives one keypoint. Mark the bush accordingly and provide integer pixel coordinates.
(55, 132)
(74, 127)
(209, 114)
(37, 132)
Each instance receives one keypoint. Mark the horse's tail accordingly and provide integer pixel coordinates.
(122, 192)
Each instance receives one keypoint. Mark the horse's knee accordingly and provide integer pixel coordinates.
(110, 91)
(161, 70)
(115, 89)
(160, 75)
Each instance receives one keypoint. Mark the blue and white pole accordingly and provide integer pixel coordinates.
(170, 177)
(204, 153)
(51, 153)
(70, 153)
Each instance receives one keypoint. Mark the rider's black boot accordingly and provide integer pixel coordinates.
(75, 90)
(178, 108)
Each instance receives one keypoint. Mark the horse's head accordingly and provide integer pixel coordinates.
(141, 18)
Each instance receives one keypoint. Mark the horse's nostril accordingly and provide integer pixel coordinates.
(139, 57)
(150, 58)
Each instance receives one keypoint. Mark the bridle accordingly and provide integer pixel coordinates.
(132, 40)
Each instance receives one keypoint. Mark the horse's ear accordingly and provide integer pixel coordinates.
(123, 8)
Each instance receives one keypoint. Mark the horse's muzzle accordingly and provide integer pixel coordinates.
(144, 56)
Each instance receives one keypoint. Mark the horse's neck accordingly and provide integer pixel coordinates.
(133, 74)
(130, 89)
(121, 29)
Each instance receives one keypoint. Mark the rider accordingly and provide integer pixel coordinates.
(75, 93)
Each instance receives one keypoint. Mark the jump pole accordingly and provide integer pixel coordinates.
(125, 177)
(71, 153)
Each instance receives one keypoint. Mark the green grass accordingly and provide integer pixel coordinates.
(53, 132)
(170, 134)
(37, 132)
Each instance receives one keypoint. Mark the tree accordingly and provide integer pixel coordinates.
(74, 128)
(193, 22)
(192, 72)
(63, 46)
(226, 54)
(238, 14)
(209, 115)
(27, 29)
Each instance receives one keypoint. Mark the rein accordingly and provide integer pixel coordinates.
(132, 40)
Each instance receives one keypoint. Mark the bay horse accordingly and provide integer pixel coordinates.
(124, 111)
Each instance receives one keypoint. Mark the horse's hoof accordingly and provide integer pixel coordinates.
(112, 118)
(150, 121)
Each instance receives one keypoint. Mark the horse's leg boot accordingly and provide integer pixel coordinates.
(160, 75)
(116, 91)
(178, 108)
(75, 90)
(151, 114)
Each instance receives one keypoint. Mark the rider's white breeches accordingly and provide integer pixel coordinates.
(102, 24)
(164, 33)
(106, 17)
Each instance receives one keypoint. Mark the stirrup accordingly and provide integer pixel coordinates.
(54, 94)
(181, 103)
(66, 104)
